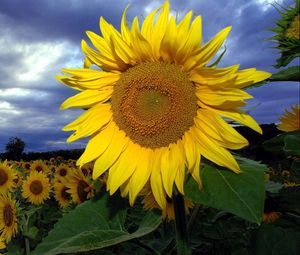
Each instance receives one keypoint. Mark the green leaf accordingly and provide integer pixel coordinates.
(241, 194)
(289, 74)
(287, 142)
(273, 187)
(292, 144)
(32, 232)
(273, 240)
(94, 225)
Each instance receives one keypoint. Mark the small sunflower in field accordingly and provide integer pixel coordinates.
(290, 121)
(7, 176)
(36, 188)
(154, 106)
(288, 34)
(18, 180)
(61, 194)
(8, 218)
(62, 171)
(87, 169)
(79, 187)
(39, 166)
(26, 166)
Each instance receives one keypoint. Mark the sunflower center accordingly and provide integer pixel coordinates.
(62, 172)
(154, 103)
(3, 176)
(38, 168)
(36, 187)
(65, 195)
(81, 190)
(8, 215)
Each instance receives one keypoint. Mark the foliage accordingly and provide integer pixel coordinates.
(14, 148)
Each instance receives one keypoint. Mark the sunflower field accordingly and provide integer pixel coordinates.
(167, 168)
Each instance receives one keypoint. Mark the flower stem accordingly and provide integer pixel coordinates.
(27, 245)
(180, 225)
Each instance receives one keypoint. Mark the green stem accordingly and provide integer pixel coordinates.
(180, 225)
(193, 217)
(27, 245)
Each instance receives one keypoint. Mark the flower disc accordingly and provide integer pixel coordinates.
(154, 103)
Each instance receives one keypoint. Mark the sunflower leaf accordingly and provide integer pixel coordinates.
(287, 142)
(289, 74)
(93, 225)
(241, 194)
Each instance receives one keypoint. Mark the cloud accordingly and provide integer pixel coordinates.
(43, 36)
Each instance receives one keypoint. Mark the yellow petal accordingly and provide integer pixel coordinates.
(101, 45)
(195, 170)
(179, 179)
(140, 175)
(87, 98)
(101, 61)
(111, 154)
(215, 127)
(100, 115)
(250, 76)
(97, 144)
(240, 117)
(171, 160)
(160, 28)
(167, 47)
(213, 76)
(123, 50)
(191, 42)
(207, 52)
(215, 153)
(219, 97)
(147, 26)
(92, 79)
(123, 168)
(156, 179)
(124, 28)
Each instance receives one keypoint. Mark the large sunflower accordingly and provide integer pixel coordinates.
(36, 188)
(8, 218)
(7, 176)
(154, 107)
(290, 120)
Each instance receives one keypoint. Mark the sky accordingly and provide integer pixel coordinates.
(38, 38)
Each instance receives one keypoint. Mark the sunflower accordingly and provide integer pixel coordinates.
(18, 180)
(39, 166)
(79, 187)
(62, 171)
(8, 218)
(36, 188)
(290, 121)
(61, 194)
(26, 166)
(153, 106)
(287, 34)
(7, 176)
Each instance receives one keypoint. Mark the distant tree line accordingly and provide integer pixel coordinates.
(14, 149)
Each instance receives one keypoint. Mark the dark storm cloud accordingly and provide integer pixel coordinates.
(33, 31)
(57, 20)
